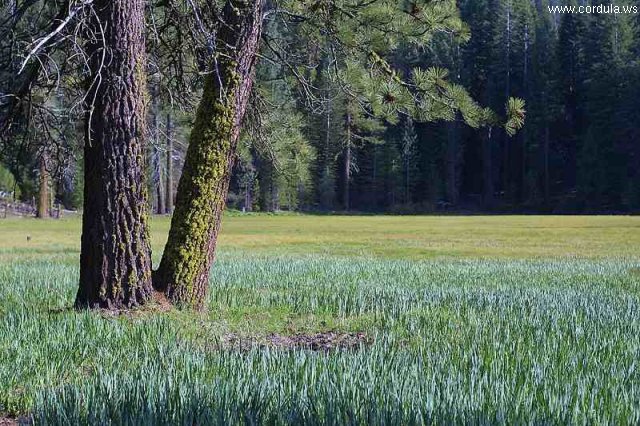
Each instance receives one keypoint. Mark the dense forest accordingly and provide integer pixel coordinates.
(310, 147)
(578, 152)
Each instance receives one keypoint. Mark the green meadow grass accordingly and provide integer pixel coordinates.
(470, 320)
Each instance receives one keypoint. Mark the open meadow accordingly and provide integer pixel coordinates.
(338, 320)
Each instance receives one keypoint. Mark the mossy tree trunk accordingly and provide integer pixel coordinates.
(115, 262)
(203, 186)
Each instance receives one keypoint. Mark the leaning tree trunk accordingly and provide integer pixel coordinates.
(202, 190)
(115, 262)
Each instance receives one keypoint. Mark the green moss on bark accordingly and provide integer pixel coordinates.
(206, 167)
(202, 190)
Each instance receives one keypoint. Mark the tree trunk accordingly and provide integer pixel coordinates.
(524, 135)
(157, 182)
(248, 197)
(42, 211)
(268, 181)
(115, 262)
(275, 197)
(202, 190)
(327, 194)
(169, 171)
(547, 194)
(406, 196)
(453, 160)
(156, 155)
(347, 165)
(487, 169)
(506, 167)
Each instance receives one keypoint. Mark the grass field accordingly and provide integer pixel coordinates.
(483, 320)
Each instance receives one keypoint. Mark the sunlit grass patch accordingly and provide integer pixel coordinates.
(411, 237)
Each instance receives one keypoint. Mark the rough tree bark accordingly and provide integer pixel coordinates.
(42, 211)
(202, 190)
(115, 263)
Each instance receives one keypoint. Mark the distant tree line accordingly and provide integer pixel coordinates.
(579, 151)
(317, 150)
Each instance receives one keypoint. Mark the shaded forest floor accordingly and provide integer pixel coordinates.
(336, 320)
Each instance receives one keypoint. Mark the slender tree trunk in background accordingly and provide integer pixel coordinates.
(169, 171)
(374, 173)
(156, 155)
(115, 262)
(327, 196)
(347, 165)
(275, 197)
(267, 174)
(525, 78)
(42, 211)
(160, 201)
(453, 160)
(547, 194)
(202, 190)
(248, 198)
(157, 181)
(506, 170)
(266, 171)
(407, 179)
(506, 166)
(487, 169)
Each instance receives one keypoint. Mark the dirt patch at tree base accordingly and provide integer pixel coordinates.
(157, 303)
(320, 342)
(20, 421)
